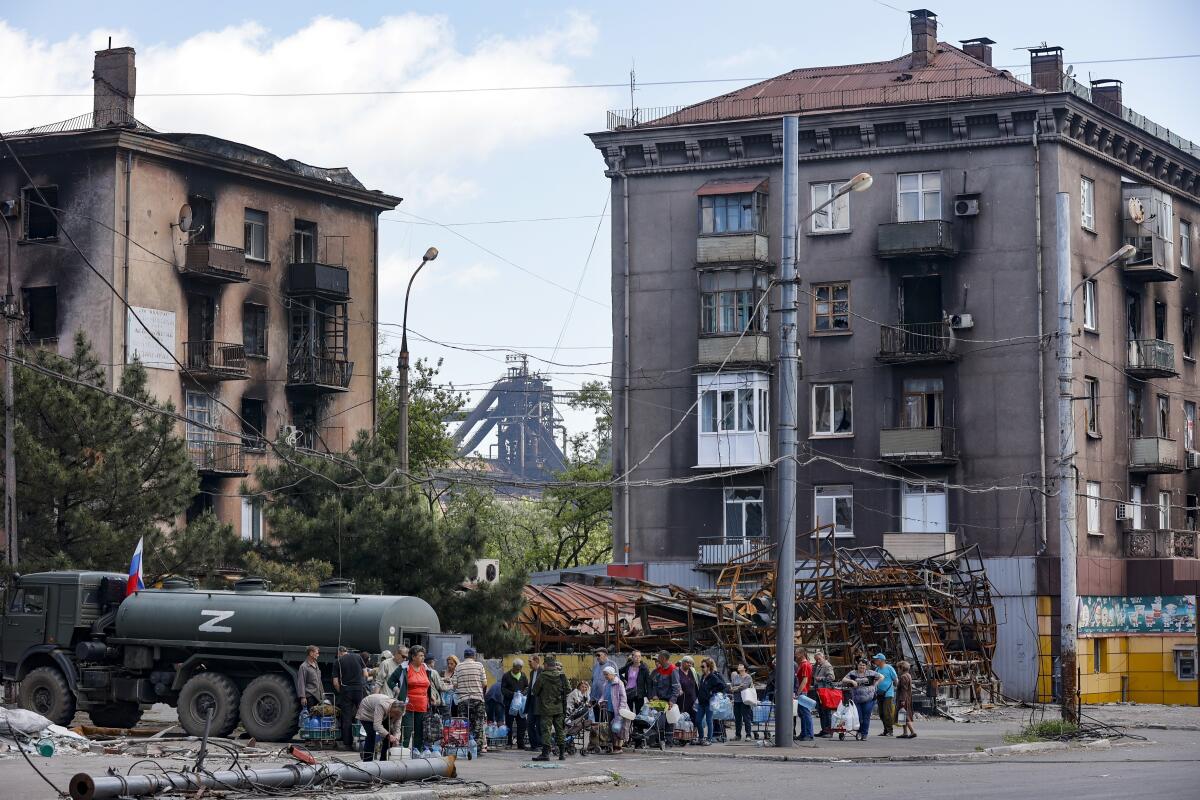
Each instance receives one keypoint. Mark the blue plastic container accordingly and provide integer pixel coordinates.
(806, 702)
(762, 713)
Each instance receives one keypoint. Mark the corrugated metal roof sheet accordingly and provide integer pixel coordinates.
(730, 187)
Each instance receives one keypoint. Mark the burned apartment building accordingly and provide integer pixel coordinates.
(927, 308)
(257, 275)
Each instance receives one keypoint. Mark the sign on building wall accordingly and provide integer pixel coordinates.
(143, 345)
(1166, 615)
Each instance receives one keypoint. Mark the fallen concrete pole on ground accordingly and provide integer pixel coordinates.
(86, 787)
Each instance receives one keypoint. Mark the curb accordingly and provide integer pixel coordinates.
(1158, 727)
(800, 759)
(486, 790)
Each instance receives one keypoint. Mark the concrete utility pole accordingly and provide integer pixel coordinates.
(402, 388)
(1067, 497)
(11, 314)
(789, 378)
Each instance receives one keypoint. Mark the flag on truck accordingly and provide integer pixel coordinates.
(135, 581)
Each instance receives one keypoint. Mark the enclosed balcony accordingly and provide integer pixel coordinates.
(226, 459)
(1159, 543)
(731, 248)
(311, 278)
(916, 342)
(930, 445)
(917, 546)
(1151, 358)
(933, 238)
(319, 373)
(753, 348)
(218, 361)
(1153, 454)
(216, 263)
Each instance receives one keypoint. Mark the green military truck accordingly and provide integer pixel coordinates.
(72, 641)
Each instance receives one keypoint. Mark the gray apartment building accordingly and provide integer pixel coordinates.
(927, 401)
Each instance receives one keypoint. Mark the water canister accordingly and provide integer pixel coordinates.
(45, 747)
(398, 753)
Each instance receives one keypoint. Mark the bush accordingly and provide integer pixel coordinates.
(1048, 730)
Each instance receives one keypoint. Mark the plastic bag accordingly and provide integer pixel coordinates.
(846, 717)
(22, 721)
(449, 698)
(721, 707)
(517, 707)
(749, 696)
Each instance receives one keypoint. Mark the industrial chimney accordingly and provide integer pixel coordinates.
(924, 36)
(115, 82)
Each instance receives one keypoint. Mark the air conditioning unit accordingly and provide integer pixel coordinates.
(1192, 460)
(485, 570)
(10, 208)
(966, 205)
(1125, 512)
(961, 322)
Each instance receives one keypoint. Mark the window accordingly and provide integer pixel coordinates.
(1099, 656)
(732, 410)
(831, 307)
(1185, 244)
(919, 196)
(834, 505)
(1189, 334)
(1134, 400)
(1093, 509)
(1092, 409)
(733, 213)
(1185, 663)
(1189, 425)
(1160, 320)
(28, 600)
(1164, 511)
(1189, 513)
(40, 304)
(199, 414)
(1087, 203)
(256, 234)
(744, 513)
(835, 217)
(40, 204)
(923, 508)
(1137, 494)
(252, 519)
(1091, 320)
(304, 242)
(731, 301)
(831, 409)
(254, 423)
(923, 403)
(254, 329)
(1164, 416)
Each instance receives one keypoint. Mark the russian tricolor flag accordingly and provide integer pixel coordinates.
(135, 572)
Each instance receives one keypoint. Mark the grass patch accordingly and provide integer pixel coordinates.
(1049, 730)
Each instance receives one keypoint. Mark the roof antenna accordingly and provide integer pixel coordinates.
(632, 82)
(110, 43)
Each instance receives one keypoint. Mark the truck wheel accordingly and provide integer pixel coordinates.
(45, 691)
(205, 691)
(270, 709)
(116, 715)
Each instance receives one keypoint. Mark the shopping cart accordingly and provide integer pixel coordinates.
(456, 737)
(762, 721)
(319, 725)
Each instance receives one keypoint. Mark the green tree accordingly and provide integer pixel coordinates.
(205, 550)
(94, 472)
(430, 446)
(595, 445)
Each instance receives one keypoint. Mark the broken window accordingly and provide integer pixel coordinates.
(254, 329)
(254, 423)
(743, 513)
(304, 242)
(41, 311)
(40, 203)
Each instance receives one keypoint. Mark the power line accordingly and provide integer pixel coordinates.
(493, 221)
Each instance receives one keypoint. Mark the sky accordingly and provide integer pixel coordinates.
(502, 179)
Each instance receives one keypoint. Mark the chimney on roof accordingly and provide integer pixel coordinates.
(979, 49)
(115, 81)
(1046, 64)
(924, 36)
(1106, 93)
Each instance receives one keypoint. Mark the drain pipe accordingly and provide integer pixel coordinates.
(625, 358)
(1044, 532)
(125, 280)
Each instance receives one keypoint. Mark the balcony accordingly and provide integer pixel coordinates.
(918, 445)
(310, 278)
(218, 361)
(718, 551)
(218, 458)
(1159, 543)
(1153, 455)
(1151, 358)
(932, 238)
(916, 343)
(918, 546)
(753, 348)
(1154, 260)
(733, 449)
(731, 248)
(319, 374)
(218, 263)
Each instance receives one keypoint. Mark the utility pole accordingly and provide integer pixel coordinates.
(789, 364)
(402, 383)
(1067, 535)
(11, 314)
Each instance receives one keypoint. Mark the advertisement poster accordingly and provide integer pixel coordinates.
(1165, 615)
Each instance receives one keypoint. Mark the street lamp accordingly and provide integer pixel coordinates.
(11, 314)
(789, 377)
(402, 428)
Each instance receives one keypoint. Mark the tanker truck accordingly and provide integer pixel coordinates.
(73, 641)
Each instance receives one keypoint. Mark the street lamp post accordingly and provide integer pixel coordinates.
(789, 377)
(11, 315)
(402, 405)
(1067, 499)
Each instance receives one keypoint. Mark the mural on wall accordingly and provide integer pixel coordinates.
(1167, 615)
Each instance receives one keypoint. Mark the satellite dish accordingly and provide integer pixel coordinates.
(1070, 71)
(1137, 212)
(185, 217)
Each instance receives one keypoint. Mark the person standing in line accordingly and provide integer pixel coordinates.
(636, 678)
(380, 715)
(512, 682)
(823, 678)
(493, 700)
(448, 681)
(414, 686)
(689, 682)
(616, 699)
(904, 699)
(739, 681)
(885, 693)
(383, 670)
(550, 694)
(350, 683)
(599, 684)
(666, 691)
(804, 679)
(533, 724)
(711, 684)
(863, 680)
(308, 679)
(470, 685)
